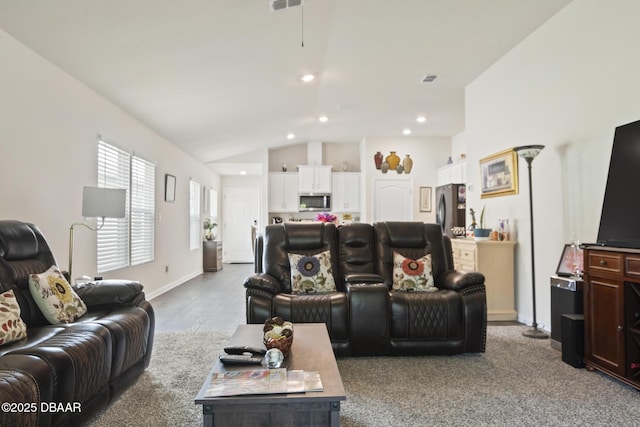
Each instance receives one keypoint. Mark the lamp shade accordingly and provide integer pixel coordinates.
(103, 202)
(529, 152)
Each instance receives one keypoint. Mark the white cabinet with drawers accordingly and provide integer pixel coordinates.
(496, 261)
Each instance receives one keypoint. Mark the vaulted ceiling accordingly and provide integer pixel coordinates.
(222, 77)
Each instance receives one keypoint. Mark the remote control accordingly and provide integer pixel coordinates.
(256, 351)
(236, 359)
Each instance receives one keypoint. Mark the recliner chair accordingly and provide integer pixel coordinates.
(448, 321)
(270, 293)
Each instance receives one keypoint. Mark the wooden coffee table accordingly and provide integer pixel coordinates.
(311, 351)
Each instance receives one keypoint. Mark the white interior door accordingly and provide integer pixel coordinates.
(241, 208)
(393, 200)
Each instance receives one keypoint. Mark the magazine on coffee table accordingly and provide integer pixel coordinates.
(263, 381)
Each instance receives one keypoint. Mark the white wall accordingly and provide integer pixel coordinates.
(566, 86)
(333, 153)
(48, 136)
(428, 155)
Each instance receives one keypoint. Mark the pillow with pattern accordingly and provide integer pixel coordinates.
(12, 328)
(311, 273)
(412, 275)
(55, 298)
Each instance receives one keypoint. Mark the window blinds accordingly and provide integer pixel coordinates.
(113, 237)
(142, 210)
(130, 240)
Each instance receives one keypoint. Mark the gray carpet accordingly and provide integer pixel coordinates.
(517, 382)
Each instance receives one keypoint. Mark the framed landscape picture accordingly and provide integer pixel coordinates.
(425, 199)
(499, 174)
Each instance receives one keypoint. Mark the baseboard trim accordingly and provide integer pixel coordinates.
(172, 285)
(528, 322)
(501, 315)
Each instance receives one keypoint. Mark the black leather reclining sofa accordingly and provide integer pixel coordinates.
(71, 370)
(365, 315)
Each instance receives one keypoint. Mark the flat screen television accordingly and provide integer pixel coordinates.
(620, 219)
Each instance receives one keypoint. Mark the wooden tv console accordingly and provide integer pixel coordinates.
(612, 312)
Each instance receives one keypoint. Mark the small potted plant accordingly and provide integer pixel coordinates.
(209, 226)
(481, 233)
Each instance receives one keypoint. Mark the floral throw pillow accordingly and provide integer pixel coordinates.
(311, 273)
(412, 275)
(12, 328)
(55, 298)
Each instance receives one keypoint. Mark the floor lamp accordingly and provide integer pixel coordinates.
(98, 203)
(529, 152)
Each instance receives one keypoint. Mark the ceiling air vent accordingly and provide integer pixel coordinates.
(429, 78)
(284, 4)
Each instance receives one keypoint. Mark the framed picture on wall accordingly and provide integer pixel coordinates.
(425, 199)
(169, 188)
(499, 174)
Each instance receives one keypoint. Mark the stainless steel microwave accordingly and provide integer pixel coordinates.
(314, 202)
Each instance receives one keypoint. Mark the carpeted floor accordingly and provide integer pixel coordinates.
(517, 382)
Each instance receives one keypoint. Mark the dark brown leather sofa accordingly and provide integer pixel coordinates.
(63, 374)
(365, 316)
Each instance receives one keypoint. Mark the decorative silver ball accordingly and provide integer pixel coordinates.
(274, 358)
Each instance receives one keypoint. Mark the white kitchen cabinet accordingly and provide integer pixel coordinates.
(345, 194)
(454, 173)
(314, 179)
(283, 192)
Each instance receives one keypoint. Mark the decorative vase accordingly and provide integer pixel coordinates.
(377, 158)
(407, 164)
(393, 160)
(399, 169)
(384, 167)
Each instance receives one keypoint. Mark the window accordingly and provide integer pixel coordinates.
(194, 215)
(126, 241)
(142, 210)
(113, 237)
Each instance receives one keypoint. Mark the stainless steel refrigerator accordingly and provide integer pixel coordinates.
(451, 203)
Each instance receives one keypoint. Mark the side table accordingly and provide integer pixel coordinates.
(212, 255)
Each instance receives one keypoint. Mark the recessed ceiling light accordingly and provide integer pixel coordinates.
(243, 172)
(421, 119)
(407, 131)
(307, 78)
(323, 119)
(291, 136)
